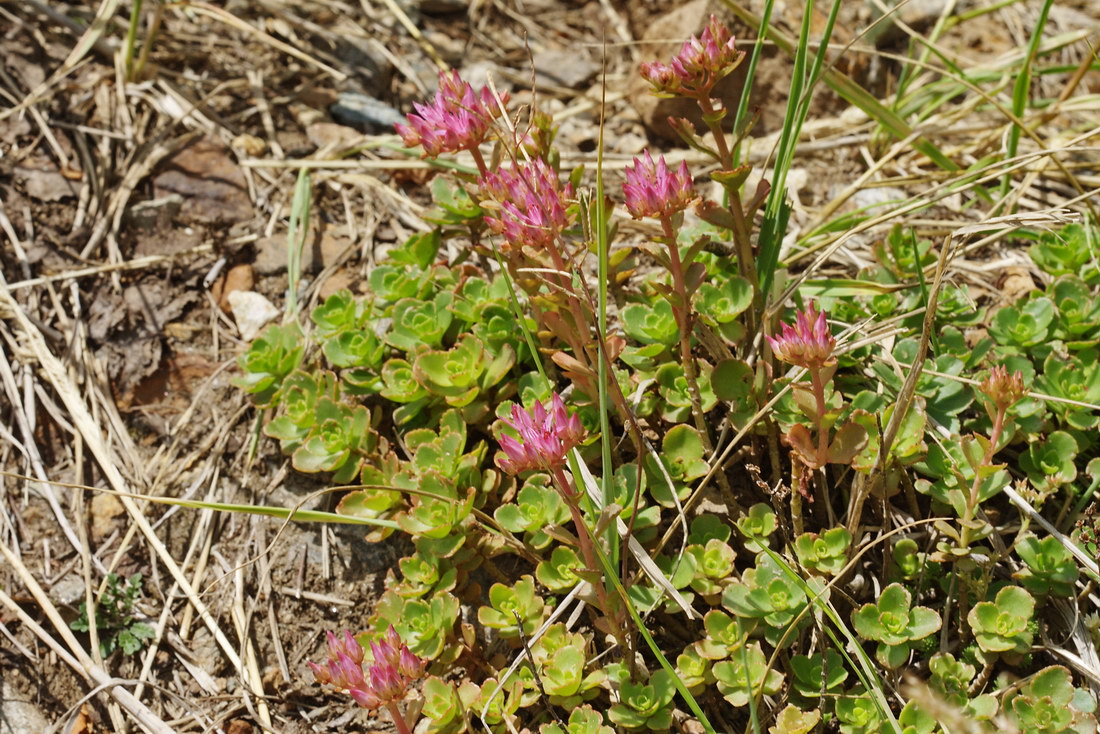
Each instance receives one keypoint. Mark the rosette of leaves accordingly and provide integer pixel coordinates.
(1063, 252)
(499, 702)
(694, 670)
(340, 441)
(792, 720)
(857, 713)
(824, 553)
(1050, 463)
(463, 373)
(894, 623)
(399, 385)
(757, 527)
(446, 706)
(340, 312)
(746, 675)
(725, 634)
(719, 305)
(298, 407)
(713, 566)
(583, 720)
(1075, 379)
(1078, 311)
(538, 508)
(766, 593)
(359, 354)
(417, 324)
(644, 706)
(269, 360)
(444, 452)
(425, 625)
(951, 679)
(1048, 703)
(424, 574)
(436, 509)
(1050, 570)
(559, 571)
(814, 677)
(508, 602)
(391, 283)
(1023, 326)
(652, 326)
(673, 388)
(564, 680)
(1004, 624)
(681, 455)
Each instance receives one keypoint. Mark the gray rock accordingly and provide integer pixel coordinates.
(18, 715)
(564, 68)
(352, 108)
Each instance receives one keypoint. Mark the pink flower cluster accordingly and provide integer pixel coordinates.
(457, 119)
(545, 438)
(1002, 388)
(700, 64)
(653, 190)
(532, 209)
(394, 669)
(809, 343)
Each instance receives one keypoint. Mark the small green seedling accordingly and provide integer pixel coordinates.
(114, 617)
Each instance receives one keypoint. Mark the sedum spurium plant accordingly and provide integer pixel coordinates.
(584, 554)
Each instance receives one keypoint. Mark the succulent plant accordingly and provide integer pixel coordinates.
(1004, 624)
(894, 623)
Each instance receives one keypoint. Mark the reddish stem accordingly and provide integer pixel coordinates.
(398, 719)
(479, 160)
(822, 434)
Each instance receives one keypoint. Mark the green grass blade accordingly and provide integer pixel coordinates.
(851, 92)
(1022, 89)
(603, 255)
(297, 231)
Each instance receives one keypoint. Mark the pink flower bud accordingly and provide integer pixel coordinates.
(652, 190)
(457, 119)
(391, 673)
(531, 204)
(1003, 389)
(545, 438)
(700, 64)
(809, 343)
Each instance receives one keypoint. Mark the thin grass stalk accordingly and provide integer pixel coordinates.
(297, 231)
(1022, 89)
(131, 39)
(754, 59)
(602, 374)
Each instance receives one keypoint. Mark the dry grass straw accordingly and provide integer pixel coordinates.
(156, 118)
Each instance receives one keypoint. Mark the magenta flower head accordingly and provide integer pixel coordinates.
(457, 119)
(809, 343)
(700, 64)
(1002, 388)
(531, 204)
(394, 669)
(653, 190)
(545, 438)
